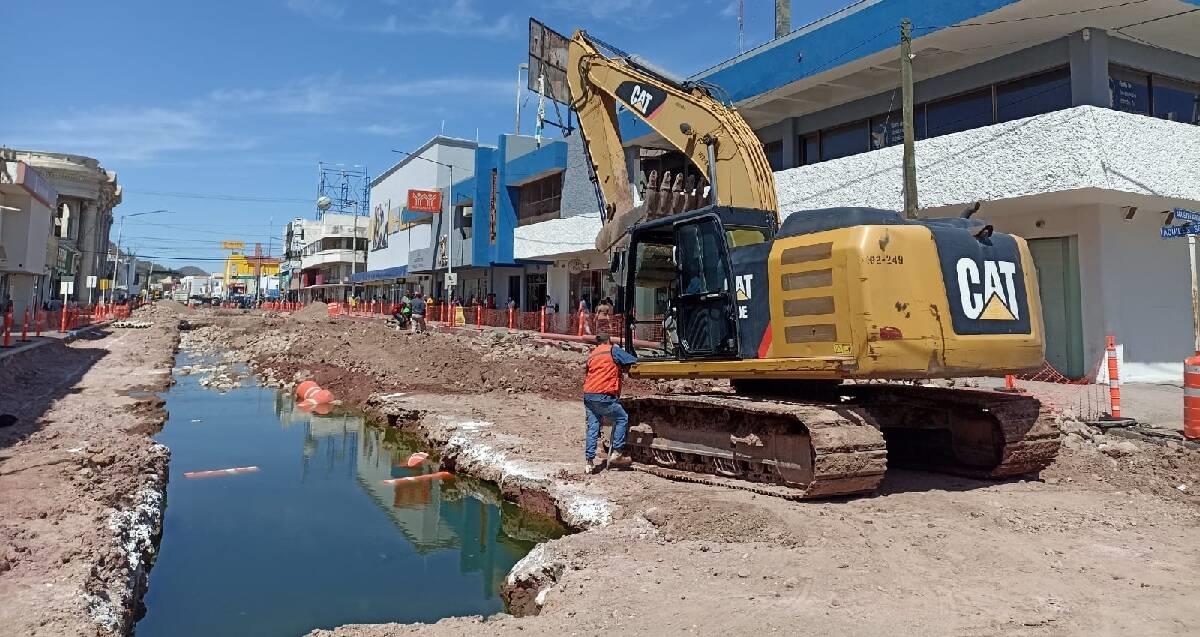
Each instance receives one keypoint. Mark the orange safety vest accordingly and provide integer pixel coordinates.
(603, 373)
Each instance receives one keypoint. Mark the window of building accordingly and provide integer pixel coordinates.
(1033, 95)
(463, 220)
(1176, 101)
(540, 200)
(774, 152)
(959, 113)
(809, 149)
(844, 141)
(1130, 90)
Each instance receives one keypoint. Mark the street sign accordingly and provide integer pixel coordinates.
(233, 245)
(1183, 214)
(1171, 232)
(91, 282)
(425, 201)
(451, 279)
(66, 288)
(104, 284)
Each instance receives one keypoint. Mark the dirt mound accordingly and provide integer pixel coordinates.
(164, 309)
(312, 312)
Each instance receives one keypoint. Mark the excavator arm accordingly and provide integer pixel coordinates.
(713, 136)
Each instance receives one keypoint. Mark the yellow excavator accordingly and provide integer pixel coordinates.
(828, 324)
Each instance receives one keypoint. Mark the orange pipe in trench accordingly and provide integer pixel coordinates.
(440, 475)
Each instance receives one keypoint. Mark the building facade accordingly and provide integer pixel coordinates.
(334, 248)
(509, 201)
(26, 214)
(83, 218)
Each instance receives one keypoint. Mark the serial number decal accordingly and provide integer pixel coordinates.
(884, 259)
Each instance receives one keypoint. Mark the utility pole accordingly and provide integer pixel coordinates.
(906, 85)
(112, 287)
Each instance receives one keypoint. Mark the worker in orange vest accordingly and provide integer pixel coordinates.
(602, 399)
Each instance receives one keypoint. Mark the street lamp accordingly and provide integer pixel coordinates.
(449, 222)
(112, 287)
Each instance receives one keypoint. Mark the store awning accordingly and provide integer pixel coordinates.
(380, 275)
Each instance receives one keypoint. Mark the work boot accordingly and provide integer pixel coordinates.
(619, 460)
(593, 466)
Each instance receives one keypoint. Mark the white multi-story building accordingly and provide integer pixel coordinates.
(322, 255)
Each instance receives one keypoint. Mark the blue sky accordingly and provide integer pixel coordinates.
(243, 98)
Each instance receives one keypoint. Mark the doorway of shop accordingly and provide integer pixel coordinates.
(514, 288)
(1057, 261)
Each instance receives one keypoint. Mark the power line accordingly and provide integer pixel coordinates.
(1138, 24)
(220, 197)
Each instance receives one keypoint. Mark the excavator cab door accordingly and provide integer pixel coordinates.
(704, 307)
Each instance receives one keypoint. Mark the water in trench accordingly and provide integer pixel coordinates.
(314, 539)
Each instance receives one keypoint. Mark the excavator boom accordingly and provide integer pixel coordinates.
(714, 137)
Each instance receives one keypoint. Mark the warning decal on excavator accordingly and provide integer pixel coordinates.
(985, 285)
(642, 98)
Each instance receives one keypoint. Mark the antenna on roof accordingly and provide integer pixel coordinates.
(741, 26)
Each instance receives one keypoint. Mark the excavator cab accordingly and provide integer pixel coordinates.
(683, 297)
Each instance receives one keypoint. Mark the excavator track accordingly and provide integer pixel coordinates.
(976, 433)
(802, 449)
(780, 448)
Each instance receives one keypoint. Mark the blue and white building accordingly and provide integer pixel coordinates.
(504, 236)
(1074, 122)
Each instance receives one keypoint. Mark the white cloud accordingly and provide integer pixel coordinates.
(456, 17)
(386, 130)
(332, 94)
(325, 9)
(136, 134)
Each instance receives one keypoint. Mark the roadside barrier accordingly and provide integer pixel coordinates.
(1114, 383)
(8, 328)
(303, 388)
(1191, 397)
(25, 327)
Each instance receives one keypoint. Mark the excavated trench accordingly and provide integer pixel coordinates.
(307, 534)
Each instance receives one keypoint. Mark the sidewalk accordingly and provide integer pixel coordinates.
(47, 337)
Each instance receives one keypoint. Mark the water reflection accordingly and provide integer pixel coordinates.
(315, 539)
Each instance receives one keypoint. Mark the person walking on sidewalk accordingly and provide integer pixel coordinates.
(602, 399)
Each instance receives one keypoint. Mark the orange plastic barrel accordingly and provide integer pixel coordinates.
(1191, 398)
(322, 396)
(303, 388)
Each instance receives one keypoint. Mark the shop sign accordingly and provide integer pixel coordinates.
(420, 260)
(425, 201)
(492, 211)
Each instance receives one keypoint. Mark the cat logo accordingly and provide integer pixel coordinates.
(745, 290)
(990, 293)
(640, 99)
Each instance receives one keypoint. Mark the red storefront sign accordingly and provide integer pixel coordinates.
(425, 201)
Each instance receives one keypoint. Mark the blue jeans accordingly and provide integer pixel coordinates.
(599, 406)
